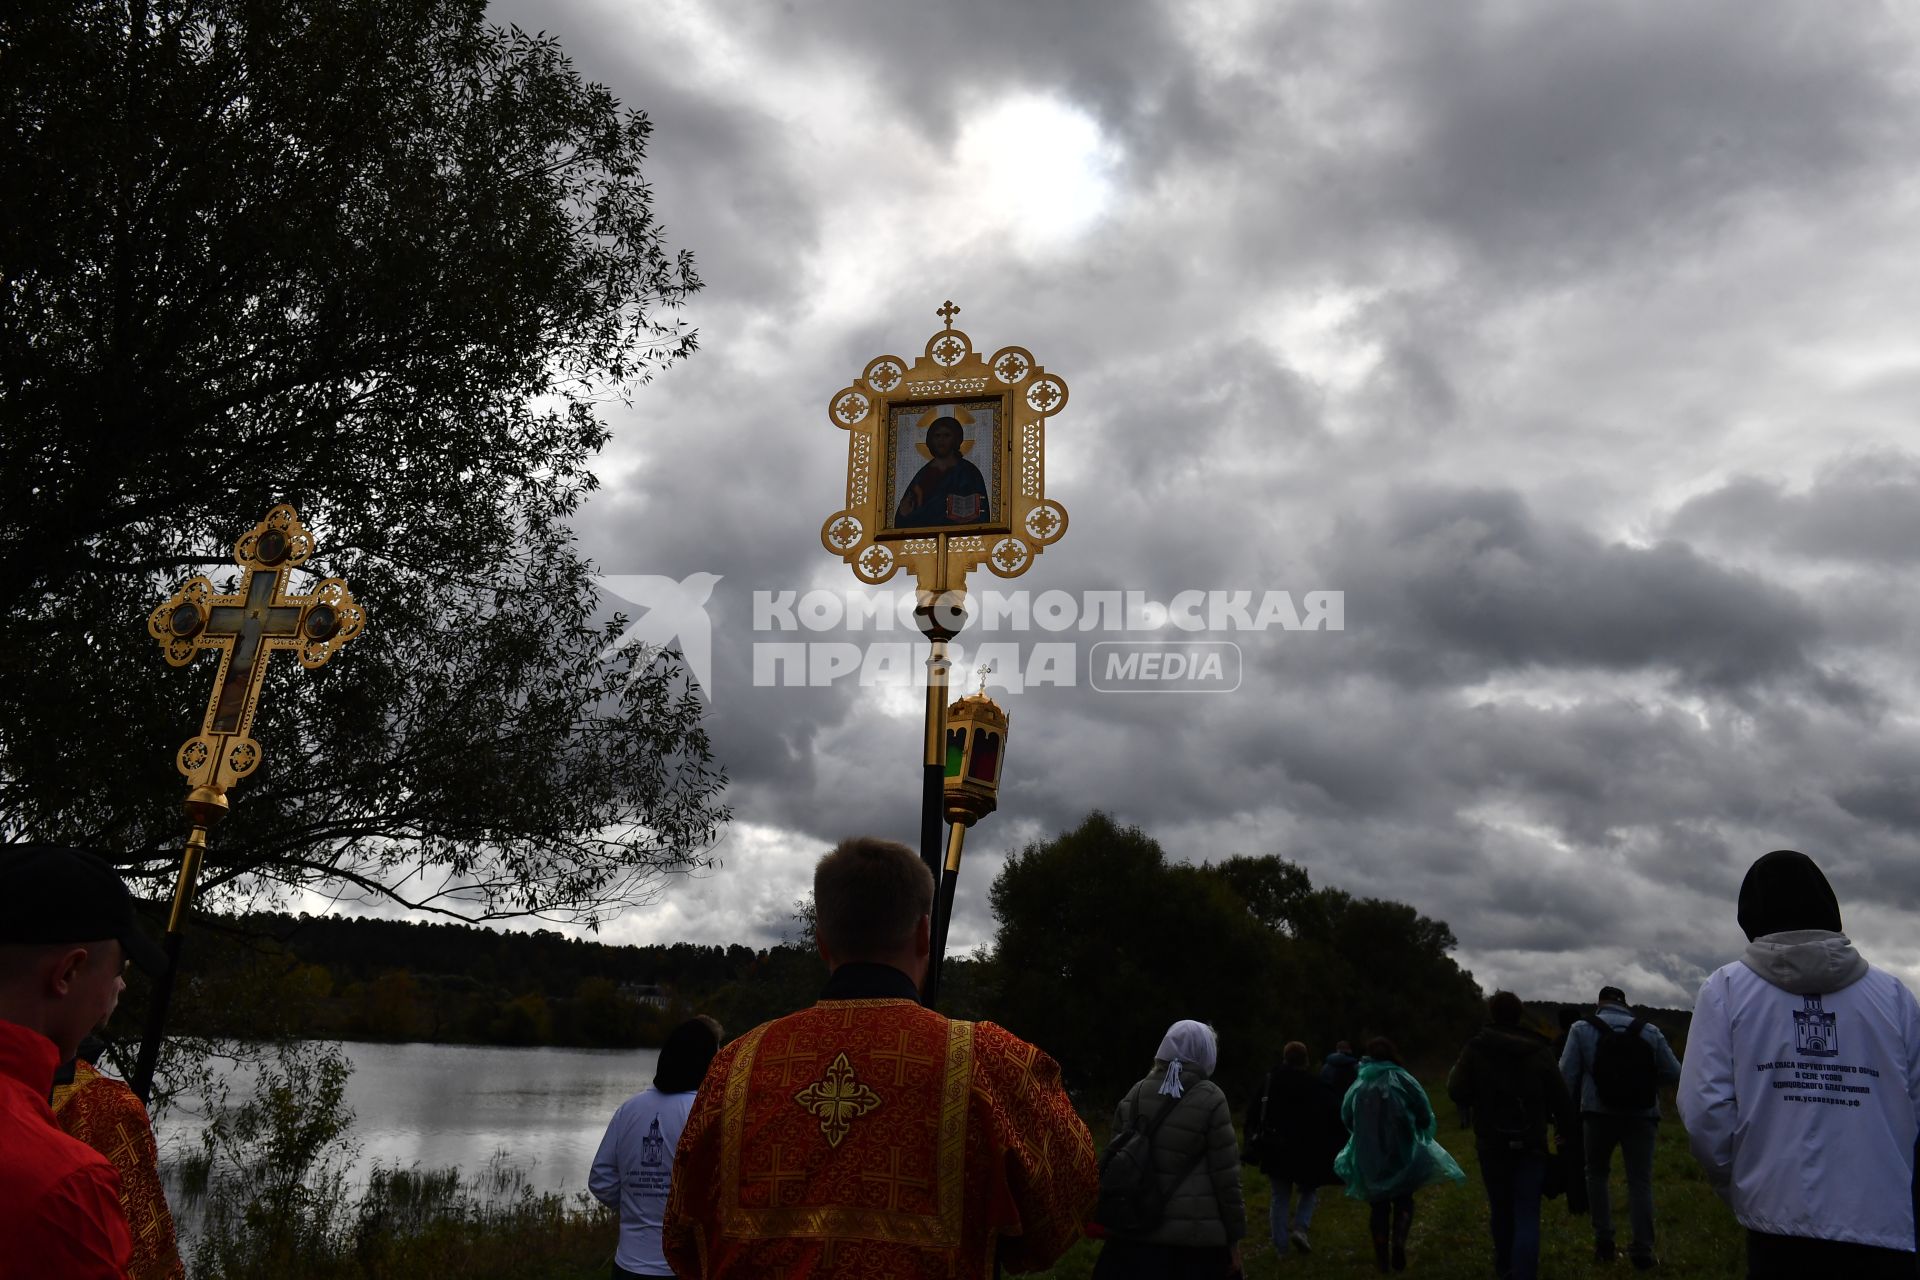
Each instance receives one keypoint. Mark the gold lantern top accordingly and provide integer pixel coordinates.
(976, 750)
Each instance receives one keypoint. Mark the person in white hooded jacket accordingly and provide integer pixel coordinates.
(1801, 1087)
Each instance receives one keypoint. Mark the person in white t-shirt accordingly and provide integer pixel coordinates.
(633, 1170)
(1801, 1088)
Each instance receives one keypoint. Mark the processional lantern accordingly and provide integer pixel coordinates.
(946, 473)
(246, 628)
(976, 731)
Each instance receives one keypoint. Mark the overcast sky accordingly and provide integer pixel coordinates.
(1573, 343)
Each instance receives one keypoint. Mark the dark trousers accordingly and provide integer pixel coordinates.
(621, 1273)
(1513, 1180)
(1395, 1214)
(1799, 1258)
(1634, 1136)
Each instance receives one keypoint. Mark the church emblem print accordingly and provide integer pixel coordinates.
(1814, 1032)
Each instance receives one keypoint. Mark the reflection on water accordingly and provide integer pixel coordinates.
(442, 1106)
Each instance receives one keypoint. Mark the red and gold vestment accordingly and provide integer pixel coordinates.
(107, 1116)
(874, 1138)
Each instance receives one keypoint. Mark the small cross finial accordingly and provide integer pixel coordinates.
(985, 671)
(947, 312)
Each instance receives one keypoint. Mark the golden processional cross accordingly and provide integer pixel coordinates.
(246, 628)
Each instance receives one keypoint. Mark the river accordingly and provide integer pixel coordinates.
(541, 1111)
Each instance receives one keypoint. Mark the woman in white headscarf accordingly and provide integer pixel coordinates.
(1196, 1163)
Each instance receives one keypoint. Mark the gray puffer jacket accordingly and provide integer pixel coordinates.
(1204, 1208)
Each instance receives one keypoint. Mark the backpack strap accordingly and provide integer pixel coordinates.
(1159, 1117)
(1599, 1024)
(1635, 1028)
(1266, 1106)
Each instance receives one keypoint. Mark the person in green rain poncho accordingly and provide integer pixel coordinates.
(1392, 1152)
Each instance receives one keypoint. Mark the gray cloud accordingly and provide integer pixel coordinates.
(1568, 344)
(1864, 510)
(1455, 585)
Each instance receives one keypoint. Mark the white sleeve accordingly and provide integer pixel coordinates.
(1709, 1105)
(1912, 1047)
(604, 1179)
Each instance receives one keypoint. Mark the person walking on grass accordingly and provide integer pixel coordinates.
(1391, 1152)
(1614, 1064)
(1802, 1086)
(1506, 1077)
(1194, 1162)
(1293, 1134)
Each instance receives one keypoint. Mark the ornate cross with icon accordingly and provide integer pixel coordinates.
(246, 628)
(946, 473)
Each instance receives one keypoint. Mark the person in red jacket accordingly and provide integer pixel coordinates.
(67, 934)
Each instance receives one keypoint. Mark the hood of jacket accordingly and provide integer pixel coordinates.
(1806, 962)
(1509, 1042)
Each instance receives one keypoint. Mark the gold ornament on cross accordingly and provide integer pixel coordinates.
(247, 628)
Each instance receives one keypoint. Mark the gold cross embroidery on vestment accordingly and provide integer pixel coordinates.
(902, 1058)
(838, 1100)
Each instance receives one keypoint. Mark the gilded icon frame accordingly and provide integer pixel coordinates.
(1022, 521)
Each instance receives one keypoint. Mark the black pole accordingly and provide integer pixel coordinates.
(943, 907)
(156, 1021)
(949, 879)
(940, 619)
(204, 807)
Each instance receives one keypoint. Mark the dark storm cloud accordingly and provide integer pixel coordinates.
(1455, 585)
(1545, 139)
(1863, 510)
(1545, 132)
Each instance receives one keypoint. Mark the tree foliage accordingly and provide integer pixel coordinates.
(384, 261)
(1103, 942)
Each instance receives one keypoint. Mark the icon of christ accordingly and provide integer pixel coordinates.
(948, 489)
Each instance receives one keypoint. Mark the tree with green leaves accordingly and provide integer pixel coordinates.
(1104, 941)
(387, 262)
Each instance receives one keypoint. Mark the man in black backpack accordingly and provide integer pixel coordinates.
(1614, 1064)
(1506, 1079)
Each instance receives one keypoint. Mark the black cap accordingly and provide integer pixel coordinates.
(53, 894)
(1612, 995)
(1783, 891)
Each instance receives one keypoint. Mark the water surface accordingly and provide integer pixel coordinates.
(439, 1106)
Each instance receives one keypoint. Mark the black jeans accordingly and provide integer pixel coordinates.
(1634, 1136)
(1513, 1180)
(1399, 1210)
(1800, 1258)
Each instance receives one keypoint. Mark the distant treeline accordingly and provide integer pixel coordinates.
(1101, 942)
(375, 979)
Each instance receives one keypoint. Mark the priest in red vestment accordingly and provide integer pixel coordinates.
(868, 1136)
(107, 1116)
